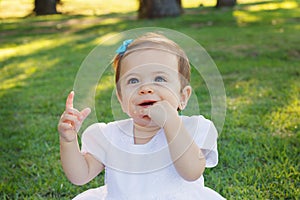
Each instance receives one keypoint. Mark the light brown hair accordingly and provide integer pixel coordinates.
(160, 42)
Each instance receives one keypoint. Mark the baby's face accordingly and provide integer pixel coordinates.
(147, 77)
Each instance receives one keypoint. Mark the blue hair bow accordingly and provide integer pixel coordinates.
(123, 47)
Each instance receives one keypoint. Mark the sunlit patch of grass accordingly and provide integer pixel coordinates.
(272, 6)
(97, 7)
(107, 39)
(246, 87)
(106, 83)
(249, 13)
(14, 74)
(26, 70)
(245, 17)
(28, 48)
(195, 3)
(19, 8)
(22, 8)
(285, 120)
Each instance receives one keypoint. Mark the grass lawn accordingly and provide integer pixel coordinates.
(256, 47)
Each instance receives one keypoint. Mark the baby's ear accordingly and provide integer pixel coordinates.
(185, 96)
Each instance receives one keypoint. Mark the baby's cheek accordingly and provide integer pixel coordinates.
(173, 101)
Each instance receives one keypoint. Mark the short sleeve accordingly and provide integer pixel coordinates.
(92, 141)
(205, 136)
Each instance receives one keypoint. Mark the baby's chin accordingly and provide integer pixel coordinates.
(145, 121)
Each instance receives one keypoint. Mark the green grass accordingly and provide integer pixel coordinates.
(255, 46)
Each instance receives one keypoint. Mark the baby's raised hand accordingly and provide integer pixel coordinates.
(161, 112)
(71, 120)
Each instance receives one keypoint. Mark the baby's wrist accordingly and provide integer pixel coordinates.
(173, 121)
(66, 140)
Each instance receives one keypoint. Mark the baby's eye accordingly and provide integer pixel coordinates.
(159, 79)
(133, 81)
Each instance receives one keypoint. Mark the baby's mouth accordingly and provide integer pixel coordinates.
(146, 104)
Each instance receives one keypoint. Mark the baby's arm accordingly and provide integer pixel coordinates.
(79, 168)
(187, 157)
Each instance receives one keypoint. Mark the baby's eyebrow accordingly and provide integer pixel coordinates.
(159, 72)
(129, 75)
(164, 73)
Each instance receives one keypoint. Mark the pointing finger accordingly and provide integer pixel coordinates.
(85, 112)
(69, 102)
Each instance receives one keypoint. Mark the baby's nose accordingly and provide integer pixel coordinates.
(146, 90)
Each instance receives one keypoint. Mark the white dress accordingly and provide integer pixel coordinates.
(146, 172)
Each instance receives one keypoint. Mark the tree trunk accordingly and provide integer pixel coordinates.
(45, 7)
(225, 3)
(159, 8)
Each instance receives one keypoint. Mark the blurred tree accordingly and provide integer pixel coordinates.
(225, 3)
(159, 8)
(45, 7)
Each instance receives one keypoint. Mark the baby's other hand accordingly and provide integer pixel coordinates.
(161, 113)
(71, 120)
